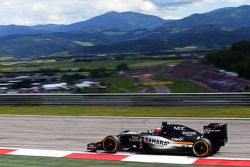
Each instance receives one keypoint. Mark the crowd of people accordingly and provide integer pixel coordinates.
(188, 69)
(221, 82)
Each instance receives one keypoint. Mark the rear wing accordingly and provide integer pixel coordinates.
(217, 133)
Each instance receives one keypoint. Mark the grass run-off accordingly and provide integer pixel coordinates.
(25, 161)
(107, 64)
(242, 112)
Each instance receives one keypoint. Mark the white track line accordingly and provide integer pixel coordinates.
(161, 159)
(41, 153)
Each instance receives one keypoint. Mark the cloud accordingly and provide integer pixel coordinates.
(63, 11)
(247, 2)
(171, 3)
(31, 12)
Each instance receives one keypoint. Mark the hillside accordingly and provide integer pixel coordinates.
(132, 32)
(126, 21)
(206, 36)
(15, 29)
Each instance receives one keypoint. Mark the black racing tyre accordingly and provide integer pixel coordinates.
(202, 148)
(111, 144)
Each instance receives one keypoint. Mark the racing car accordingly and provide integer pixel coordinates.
(169, 139)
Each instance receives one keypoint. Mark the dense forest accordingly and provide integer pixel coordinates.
(236, 58)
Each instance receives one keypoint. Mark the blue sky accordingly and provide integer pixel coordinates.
(32, 12)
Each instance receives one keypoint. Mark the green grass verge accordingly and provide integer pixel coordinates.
(121, 84)
(127, 111)
(116, 85)
(25, 161)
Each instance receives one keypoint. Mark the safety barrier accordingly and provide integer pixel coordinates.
(147, 99)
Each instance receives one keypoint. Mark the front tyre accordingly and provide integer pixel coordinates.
(111, 144)
(202, 148)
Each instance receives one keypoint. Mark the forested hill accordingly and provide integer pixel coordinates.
(236, 59)
(128, 32)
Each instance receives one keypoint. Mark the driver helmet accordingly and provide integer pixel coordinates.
(157, 130)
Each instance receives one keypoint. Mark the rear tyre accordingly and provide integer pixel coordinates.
(111, 144)
(202, 148)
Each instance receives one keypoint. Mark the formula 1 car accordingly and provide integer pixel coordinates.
(169, 139)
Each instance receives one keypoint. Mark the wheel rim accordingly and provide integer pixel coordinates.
(110, 145)
(201, 148)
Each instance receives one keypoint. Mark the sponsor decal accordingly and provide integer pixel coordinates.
(177, 139)
(134, 139)
(189, 133)
(179, 128)
(159, 83)
(211, 130)
(156, 141)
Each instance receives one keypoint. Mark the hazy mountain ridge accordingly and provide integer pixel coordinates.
(126, 21)
(15, 29)
(234, 17)
(132, 32)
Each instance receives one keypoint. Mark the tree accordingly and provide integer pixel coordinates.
(122, 67)
(236, 58)
(99, 73)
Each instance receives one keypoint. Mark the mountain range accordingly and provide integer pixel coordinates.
(115, 32)
(126, 21)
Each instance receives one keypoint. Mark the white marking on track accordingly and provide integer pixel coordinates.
(42, 153)
(161, 159)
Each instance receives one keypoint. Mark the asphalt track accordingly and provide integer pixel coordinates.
(73, 133)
